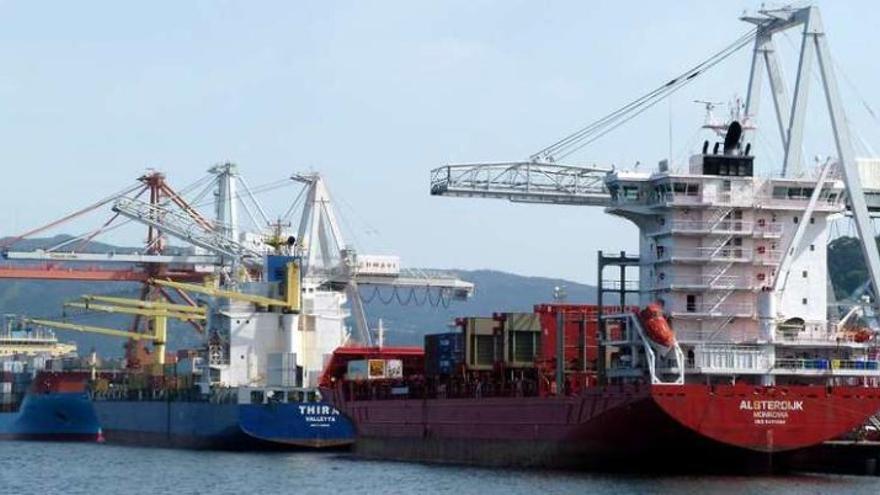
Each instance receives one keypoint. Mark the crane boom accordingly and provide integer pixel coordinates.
(185, 228)
(139, 303)
(524, 182)
(214, 292)
(104, 308)
(90, 329)
(70, 256)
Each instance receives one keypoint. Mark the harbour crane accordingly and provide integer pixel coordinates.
(330, 268)
(333, 269)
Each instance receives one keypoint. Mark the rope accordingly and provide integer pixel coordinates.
(586, 135)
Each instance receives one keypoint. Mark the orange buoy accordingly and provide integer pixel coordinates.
(656, 325)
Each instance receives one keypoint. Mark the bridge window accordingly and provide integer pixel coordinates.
(630, 192)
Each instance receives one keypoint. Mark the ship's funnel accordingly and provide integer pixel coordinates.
(731, 140)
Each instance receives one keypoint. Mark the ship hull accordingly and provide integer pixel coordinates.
(630, 428)
(206, 425)
(54, 416)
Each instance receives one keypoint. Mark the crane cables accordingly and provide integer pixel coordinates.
(581, 138)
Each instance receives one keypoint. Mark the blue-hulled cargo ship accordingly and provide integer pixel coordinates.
(34, 404)
(252, 385)
(231, 426)
(53, 416)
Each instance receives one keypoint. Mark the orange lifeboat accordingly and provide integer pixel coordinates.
(863, 335)
(656, 326)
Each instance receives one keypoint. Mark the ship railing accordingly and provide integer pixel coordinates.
(729, 226)
(709, 253)
(700, 226)
(731, 198)
(709, 309)
(629, 285)
(712, 336)
(768, 229)
(707, 281)
(828, 364)
(827, 199)
(771, 256)
(730, 358)
(816, 337)
(676, 198)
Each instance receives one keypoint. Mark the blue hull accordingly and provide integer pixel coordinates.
(207, 425)
(56, 416)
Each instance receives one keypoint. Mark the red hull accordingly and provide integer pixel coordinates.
(611, 426)
(768, 419)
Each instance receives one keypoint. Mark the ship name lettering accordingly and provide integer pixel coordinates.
(318, 410)
(771, 405)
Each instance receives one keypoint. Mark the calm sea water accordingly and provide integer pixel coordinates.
(50, 468)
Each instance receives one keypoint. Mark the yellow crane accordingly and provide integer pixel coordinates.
(291, 301)
(89, 329)
(107, 308)
(158, 312)
(140, 303)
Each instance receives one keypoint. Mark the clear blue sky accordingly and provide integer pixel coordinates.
(372, 94)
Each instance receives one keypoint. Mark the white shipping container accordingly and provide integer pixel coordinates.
(394, 368)
(5, 387)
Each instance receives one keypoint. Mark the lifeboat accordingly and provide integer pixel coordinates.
(657, 327)
(862, 335)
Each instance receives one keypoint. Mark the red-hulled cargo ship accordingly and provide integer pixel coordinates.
(506, 418)
(731, 355)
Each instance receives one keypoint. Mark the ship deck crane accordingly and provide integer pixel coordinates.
(105, 308)
(157, 314)
(138, 303)
(292, 291)
(90, 329)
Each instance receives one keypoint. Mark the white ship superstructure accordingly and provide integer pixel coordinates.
(739, 264)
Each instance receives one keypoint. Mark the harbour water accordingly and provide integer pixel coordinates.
(67, 468)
